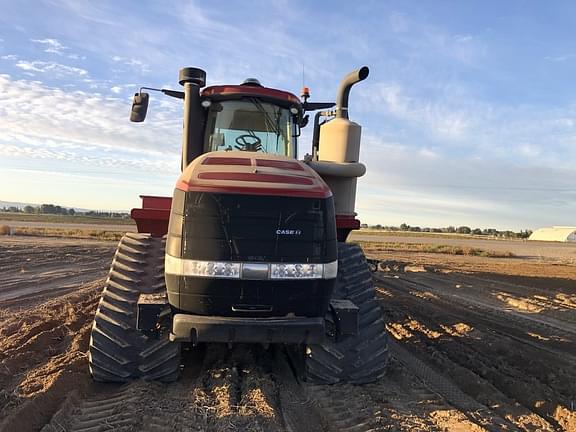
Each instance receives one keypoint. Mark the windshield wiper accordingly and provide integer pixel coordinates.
(267, 119)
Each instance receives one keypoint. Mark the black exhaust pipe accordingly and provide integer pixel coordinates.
(192, 79)
(344, 90)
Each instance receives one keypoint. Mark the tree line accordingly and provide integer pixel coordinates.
(454, 230)
(51, 209)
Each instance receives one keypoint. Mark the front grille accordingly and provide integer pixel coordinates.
(237, 227)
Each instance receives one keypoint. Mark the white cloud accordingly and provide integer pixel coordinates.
(85, 9)
(78, 126)
(51, 46)
(54, 68)
(443, 119)
(79, 155)
(9, 57)
(559, 58)
(133, 63)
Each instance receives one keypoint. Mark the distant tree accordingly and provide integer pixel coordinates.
(13, 209)
(363, 225)
(47, 209)
(464, 230)
(378, 226)
(415, 229)
(29, 209)
(71, 212)
(477, 231)
(450, 229)
(404, 227)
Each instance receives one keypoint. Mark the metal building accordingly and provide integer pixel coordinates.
(555, 233)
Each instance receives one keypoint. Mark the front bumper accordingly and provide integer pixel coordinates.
(293, 330)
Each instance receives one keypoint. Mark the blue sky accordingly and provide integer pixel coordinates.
(469, 112)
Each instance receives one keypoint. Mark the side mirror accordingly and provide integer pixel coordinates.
(139, 107)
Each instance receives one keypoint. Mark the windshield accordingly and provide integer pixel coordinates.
(250, 125)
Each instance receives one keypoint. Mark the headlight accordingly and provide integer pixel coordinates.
(296, 271)
(250, 271)
(215, 269)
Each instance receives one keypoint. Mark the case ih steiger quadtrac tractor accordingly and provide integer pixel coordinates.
(251, 247)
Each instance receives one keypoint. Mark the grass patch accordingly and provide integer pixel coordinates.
(69, 233)
(385, 233)
(432, 248)
(24, 217)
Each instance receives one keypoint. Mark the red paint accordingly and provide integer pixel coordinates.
(240, 90)
(255, 177)
(226, 161)
(317, 192)
(153, 221)
(156, 202)
(154, 215)
(270, 163)
(347, 222)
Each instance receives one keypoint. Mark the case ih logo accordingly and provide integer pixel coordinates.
(288, 232)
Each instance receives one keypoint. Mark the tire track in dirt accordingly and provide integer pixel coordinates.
(222, 390)
(554, 338)
(29, 267)
(557, 322)
(547, 301)
(43, 357)
(487, 364)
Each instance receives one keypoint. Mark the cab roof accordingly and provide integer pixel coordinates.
(222, 92)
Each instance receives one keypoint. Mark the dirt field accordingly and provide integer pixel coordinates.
(477, 344)
(532, 250)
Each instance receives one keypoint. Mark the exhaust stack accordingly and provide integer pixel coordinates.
(339, 150)
(192, 79)
(345, 87)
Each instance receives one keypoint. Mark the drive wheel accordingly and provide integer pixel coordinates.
(355, 359)
(118, 351)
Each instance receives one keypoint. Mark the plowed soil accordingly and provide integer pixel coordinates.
(477, 344)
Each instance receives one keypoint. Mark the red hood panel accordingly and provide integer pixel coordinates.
(252, 174)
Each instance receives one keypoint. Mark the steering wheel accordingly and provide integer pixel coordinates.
(248, 143)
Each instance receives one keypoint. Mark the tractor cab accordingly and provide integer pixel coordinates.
(251, 118)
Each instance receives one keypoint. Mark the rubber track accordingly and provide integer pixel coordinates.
(118, 352)
(363, 358)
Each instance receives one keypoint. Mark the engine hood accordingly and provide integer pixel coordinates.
(252, 174)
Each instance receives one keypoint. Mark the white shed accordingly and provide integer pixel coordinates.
(556, 233)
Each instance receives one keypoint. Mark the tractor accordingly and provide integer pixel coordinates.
(251, 248)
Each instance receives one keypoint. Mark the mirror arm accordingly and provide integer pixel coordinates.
(172, 93)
